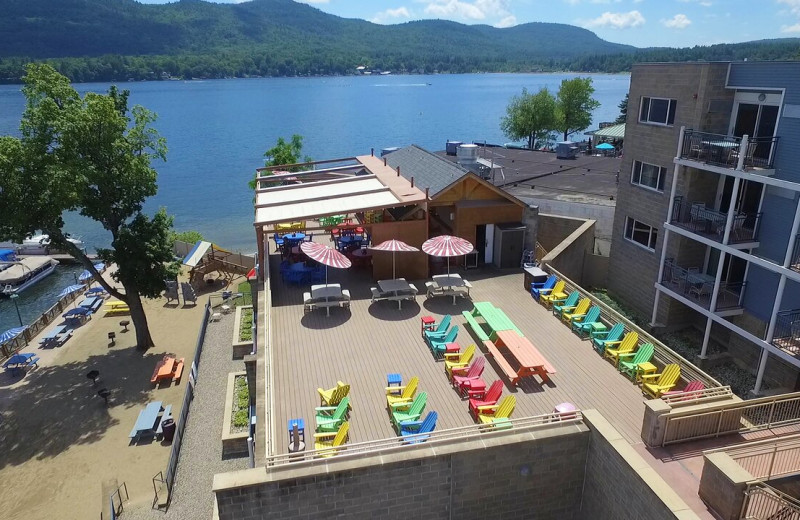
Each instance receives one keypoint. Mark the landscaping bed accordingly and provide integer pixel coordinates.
(236, 423)
(243, 332)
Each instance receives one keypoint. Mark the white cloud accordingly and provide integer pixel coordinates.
(508, 21)
(576, 2)
(679, 21)
(617, 20)
(790, 28)
(463, 10)
(455, 9)
(390, 14)
(301, 1)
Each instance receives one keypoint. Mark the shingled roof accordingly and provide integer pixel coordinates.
(427, 169)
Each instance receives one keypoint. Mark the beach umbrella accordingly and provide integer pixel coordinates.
(605, 146)
(95, 290)
(78, 311)
(447, 246)
(11, 334)
(394, 246)
(85, 275)
(70, 289)
(326, 256)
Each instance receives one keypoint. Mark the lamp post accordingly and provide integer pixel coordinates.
(14, 297)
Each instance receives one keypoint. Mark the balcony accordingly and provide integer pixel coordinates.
(795, 262)
(698, 287)
(699, 219)
(787, 331)
(725, 150)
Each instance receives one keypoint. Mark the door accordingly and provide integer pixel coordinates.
(488, 241)
(757, 121)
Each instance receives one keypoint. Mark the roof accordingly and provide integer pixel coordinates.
(427, 169)
(611, 132)
(197, 253)
(376, 186)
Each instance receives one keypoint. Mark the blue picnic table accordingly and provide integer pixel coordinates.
(18, 361)
(149, 420)
(54, 335)
(92, 303)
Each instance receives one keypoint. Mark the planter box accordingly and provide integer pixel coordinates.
(240, 348)
(233, 444)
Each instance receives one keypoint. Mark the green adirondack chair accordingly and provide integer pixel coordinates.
(439, 345)
(588, 321)
(599, 339)
(629, 362)
(329, 418)
(560, 306)
(412, 414)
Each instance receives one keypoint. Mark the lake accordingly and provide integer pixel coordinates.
(217, 132)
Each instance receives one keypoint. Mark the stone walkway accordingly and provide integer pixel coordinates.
(201, 451)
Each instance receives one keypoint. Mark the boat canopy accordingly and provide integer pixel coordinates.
(23, 269)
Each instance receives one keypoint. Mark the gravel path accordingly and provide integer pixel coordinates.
(201, 451)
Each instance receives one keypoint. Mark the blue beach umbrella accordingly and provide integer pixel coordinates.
(95, 290)
(70, 289)
(11, 334)
(85, 275)
(605, 146)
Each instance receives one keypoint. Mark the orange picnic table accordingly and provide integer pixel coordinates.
(529, 361)
(167, 368)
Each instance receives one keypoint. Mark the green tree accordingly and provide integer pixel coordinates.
(190, 237)
(530, 116)
(284, 153)
(623, 111)
(91, 155)
(574, 105)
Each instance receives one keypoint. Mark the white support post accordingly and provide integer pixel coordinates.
(706, 338)
(743, 146)
(762, 365)
(731, 210)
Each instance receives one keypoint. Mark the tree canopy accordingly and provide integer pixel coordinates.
(284, 153)
(91, 155)
(623, 111)
(530, 116)
(574, 105)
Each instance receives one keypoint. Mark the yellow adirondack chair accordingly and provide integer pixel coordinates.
(329, 442)
(556, 294)
(333, 396)
(626, 346)
(458, 360)
(493, 413)
(395, 400)
(578, 313)
(656, 384)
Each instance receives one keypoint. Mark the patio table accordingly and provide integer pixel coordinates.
(20, 360)
(531, 361)
(451, 284)
(53, 335)
(93, 303)
(146, 422)
(698, 278)
(328, 293)
(395, 286)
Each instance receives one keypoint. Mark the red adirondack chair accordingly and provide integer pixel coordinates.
(464, 374)
(691, 386)
(491, 397)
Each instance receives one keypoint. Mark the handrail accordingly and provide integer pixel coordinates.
(697, 396)
(434, 437)
(768, 458)
(764, 502)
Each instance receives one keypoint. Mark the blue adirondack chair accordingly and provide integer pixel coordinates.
(599, 339)
(411, 430)
(559, 306)
(588, 321)
(538, 288)
(439, 345)
(441, 329)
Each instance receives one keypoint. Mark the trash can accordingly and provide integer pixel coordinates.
(168, 427)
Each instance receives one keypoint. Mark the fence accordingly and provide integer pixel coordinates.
(180, 424)
(694, 285)
(787, 331)
(768, 459)
(696, 397)
(763, 502)
(697, 218)
(724, 150)
(738, 417)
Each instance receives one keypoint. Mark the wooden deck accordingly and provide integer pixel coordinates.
(361, 345)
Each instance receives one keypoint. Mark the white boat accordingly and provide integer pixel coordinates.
(24, 273)
(40, 245)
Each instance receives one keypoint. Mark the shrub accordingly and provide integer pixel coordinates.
(241, 403)
(246, 325)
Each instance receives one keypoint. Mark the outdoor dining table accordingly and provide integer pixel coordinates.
(20, 360)
(93, 302)
(450, 281)
(147, 420)
(330, 292)
(362, 257)
(349, 240)
(52, 336)
(395, 286)
(698, 278)
(294, 237)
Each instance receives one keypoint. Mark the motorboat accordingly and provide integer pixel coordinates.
(40, 244)
(25, 272)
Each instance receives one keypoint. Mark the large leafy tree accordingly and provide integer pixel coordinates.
(574, 105)
(623, 111)
(91, 155)
(284, 152)
(530, 116)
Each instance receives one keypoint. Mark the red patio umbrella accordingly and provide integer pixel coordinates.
(394, 246)
(446, 245)
(325, 255)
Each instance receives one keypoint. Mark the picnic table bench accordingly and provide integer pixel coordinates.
(57, 336)
(116, 307)
(448, 285)
(149, 420)
(167, 368)
(496, 321)
(526, 360)
(92, 302)
(21, 361)
(394, 290)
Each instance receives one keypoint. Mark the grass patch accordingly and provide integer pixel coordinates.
(246, 325)
(241, 404)
(247, 297)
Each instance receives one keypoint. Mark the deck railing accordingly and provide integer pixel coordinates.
(710, 223)
(795, 261)
(725, 150)
(696, 397)
(437, 436)
(787, 331)
(768, 459)
(738, 417)
(693, 286)
(763, 502)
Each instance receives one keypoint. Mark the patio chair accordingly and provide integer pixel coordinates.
(700, 289)
(654, 385)
(570, 315)
(460, 376)
(498, 413)
(441, 328)
(329, 443)
(438, 346)
(487, 398)
(599, 339)
(615, 348)
(556, 293)
(629, 363)
(334, 395)
(399, 397)
(412, 430)
(329, 418)
(458, 360)
(588, 322)
(566, 303)
(412, 414)
(537, 289)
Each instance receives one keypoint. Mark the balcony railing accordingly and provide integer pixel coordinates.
(795, 262)
(697, 218)
(787, 331)
(699, 287)
(725, 150)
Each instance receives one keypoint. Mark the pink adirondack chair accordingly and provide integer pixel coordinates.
(691, 386)
(491, 397)
(462, 375)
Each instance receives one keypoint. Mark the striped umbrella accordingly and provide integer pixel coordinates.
(70, 289)
(394, 246)
(11, 334)
(446, 245)
(326, 256)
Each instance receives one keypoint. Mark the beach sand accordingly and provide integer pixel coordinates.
(59, 442)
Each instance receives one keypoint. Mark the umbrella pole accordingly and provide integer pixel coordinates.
(394, 274)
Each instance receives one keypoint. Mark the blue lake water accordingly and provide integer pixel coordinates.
(217, 132)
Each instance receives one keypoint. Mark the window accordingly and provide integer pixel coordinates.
(648, 175)
(641, 234)
(657, 111)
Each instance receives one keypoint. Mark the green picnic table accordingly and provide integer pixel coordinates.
(495, 318)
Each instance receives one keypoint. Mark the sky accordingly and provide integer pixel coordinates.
(642, 23)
